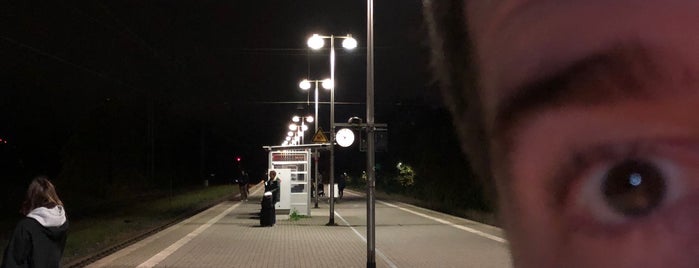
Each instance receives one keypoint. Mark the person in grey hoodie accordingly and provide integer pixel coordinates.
(40, 237)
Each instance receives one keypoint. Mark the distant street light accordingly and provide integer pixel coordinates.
(305, 84)
(316, 42)
(307, 118)
(299, 130)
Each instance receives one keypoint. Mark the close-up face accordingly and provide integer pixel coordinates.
(592, 108)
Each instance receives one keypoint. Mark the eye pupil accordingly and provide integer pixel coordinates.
(634, 188)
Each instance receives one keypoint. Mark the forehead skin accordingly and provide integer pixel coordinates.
(520, 40)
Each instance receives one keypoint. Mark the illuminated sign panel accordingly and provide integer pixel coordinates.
(284, 157)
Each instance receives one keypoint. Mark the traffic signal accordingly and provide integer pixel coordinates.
(237, 159)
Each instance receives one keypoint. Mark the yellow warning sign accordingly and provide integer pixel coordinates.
(319, 137)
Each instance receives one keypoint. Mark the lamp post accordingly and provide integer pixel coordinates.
(302, 128)
(292, 137)
(371, 177)
(306, 85)
(316, 42)
(297, 132)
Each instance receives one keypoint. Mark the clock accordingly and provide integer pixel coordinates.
(344, 137)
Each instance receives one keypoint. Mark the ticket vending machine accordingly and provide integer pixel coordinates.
(294, 166)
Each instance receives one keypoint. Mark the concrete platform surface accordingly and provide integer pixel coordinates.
(229, 235)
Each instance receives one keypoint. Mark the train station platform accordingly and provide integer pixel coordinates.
(229, 235)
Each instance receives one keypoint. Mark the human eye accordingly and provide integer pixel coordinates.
(615, 186)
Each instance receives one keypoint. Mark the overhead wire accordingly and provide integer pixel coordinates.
(65, 61)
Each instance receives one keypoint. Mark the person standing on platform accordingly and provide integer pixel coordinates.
(272, 185)
(243, 185)
(269, 199)
(321, 189)
(40, 237)
(341, 183)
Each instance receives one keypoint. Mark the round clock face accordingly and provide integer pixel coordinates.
(344, 137)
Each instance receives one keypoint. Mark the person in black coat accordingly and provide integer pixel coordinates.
(270, 198)
(272, 185)
(40, 238)
(243, 185)
(341, 183)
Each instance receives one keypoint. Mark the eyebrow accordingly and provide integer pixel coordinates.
(613, 75)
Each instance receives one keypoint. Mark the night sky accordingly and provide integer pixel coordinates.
(226, 68)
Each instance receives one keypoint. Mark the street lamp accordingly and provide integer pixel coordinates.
(292, 137)
(305, 84)
(303, 127)
(316, 42)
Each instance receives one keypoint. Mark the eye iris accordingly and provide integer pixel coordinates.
(634, 188)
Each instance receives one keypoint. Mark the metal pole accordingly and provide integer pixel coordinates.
(299, 133)
(316, 112)
(371, 181)
(315, 152)
(331, 220)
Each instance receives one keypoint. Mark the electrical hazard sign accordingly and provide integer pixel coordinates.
(319, 137)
